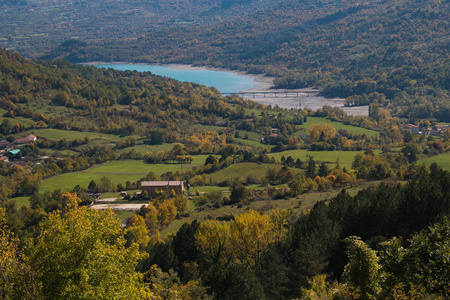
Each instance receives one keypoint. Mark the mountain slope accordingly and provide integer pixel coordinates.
(369, 50)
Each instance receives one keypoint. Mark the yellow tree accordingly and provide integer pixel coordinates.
(213, 241)
(81, 254)
(8, 251)
(15, 277)
(137, 232)
(252, 233)
(318, 132)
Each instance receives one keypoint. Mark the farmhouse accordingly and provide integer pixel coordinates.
(412, 127)
(152, 186)
(26, 140)
(4, 143)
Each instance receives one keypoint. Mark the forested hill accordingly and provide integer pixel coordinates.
(44, 24)
(308, 34)
(63, 95)
(391, 53)
(235, 33)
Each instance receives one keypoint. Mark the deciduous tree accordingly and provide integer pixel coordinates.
(81, 254)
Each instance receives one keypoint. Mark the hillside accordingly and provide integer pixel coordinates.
(390, 53)
(279, 203)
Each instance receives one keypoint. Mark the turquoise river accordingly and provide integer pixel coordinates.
(225, 82)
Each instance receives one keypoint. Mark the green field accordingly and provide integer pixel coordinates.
(442, 160)
(58, 134)
(244, 170)
(327, 156)
(143, 149)
(20, 201)
(57, 153)
(248, 142)
(337, 126)
(119, 171)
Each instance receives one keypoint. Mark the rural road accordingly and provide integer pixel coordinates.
(118, 206)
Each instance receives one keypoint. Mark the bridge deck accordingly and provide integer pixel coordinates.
(276, 94)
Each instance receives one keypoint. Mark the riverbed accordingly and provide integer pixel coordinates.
(258, 88)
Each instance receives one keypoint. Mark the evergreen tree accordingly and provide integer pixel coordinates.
(323, 169)
(311, 169)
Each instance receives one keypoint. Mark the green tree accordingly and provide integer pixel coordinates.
(411, 152)
(296, 185)
(362, 271)
(81, 254)
(423, 263)
(311, 169)
(240, 193)
(321, 289)
(234, 282)
(323, 169)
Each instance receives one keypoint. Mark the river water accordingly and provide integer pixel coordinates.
(234, 82)
(225, 82)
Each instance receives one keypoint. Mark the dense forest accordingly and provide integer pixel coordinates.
(254, 256)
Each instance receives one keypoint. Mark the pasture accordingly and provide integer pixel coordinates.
(442, 160)
(244, 170)
(337, 126)
(119, 171)
(70, 135)
(327, 156)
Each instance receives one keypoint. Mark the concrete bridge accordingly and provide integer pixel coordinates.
(275, 94)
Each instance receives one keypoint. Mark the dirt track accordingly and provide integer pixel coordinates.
(118, 206)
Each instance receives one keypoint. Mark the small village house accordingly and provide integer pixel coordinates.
(4, 143)
(13, 153)
(152, 186)
(412, 127)
(26, 140)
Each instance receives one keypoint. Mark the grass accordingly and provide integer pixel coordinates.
(118, 171)
(20, 120)
(327, 156)
(65, 152)
(442, 160)
(337, 126)
(251, 135)
(248, 142)
(209, 189)
(21, 201)
(224, 189)
(143, 149)
(243, 170)
(58, 134)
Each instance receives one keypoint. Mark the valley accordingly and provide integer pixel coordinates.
(314, 166)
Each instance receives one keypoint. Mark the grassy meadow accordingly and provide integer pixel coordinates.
(326, 156)
(337, 126)
(119, 171)
(244, 170)
(442, 160)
